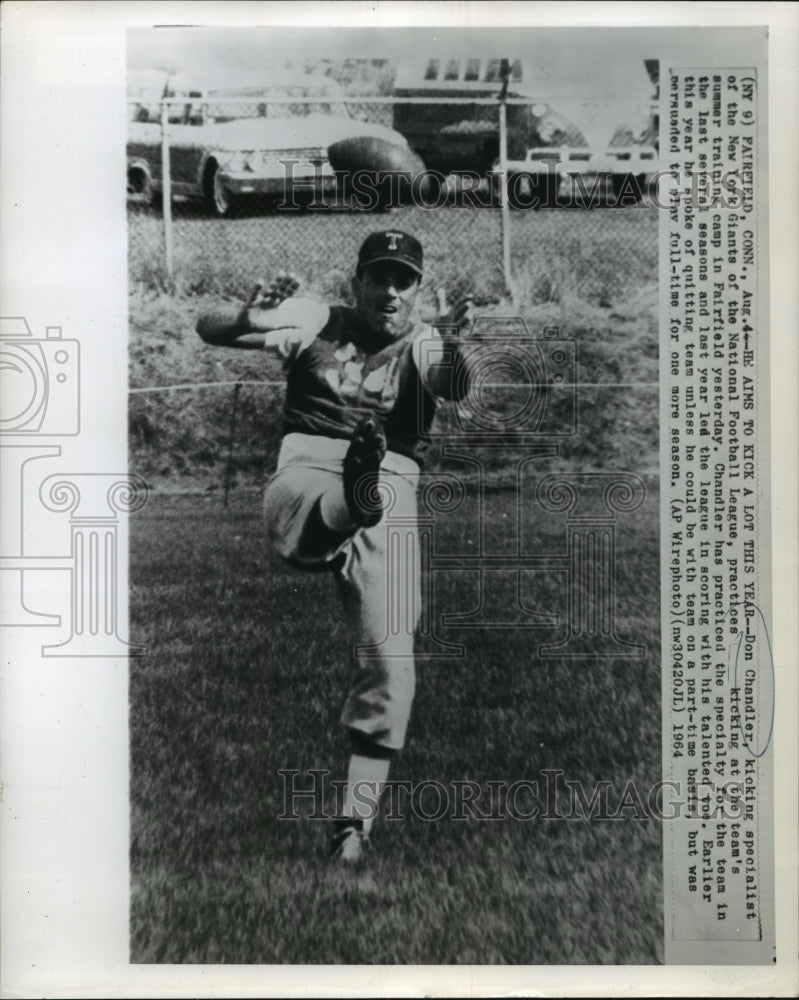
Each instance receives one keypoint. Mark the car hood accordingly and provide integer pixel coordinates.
(309, 131)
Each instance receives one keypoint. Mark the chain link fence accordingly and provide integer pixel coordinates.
(299, 181)
(563, 234)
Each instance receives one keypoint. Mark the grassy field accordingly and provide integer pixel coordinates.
(247, 666)
(241, 682)
(569, 258)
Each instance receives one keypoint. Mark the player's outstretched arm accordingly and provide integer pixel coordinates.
(248, 326)
(441, 361)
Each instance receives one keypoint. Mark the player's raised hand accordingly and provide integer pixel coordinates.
(458, 315)
(462, 313)
(282, 287)
(261, 302)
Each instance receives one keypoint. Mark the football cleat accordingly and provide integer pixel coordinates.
(362, 473)
(350, 841)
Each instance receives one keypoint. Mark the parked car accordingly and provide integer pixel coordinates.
(580, 175)
(288, 137)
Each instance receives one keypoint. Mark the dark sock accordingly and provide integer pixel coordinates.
(361, 744)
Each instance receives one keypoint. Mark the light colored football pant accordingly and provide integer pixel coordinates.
(377, 569)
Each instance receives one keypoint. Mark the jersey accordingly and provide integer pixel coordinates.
(336, 378)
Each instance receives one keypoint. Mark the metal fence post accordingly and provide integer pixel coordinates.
(231, 442)
(503, 173)
(166, 189)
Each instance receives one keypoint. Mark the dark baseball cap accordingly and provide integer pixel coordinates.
(391, 245)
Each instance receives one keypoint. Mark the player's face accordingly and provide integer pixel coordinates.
(385, 294)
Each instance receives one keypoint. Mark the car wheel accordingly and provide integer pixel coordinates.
(535, 191)
(520, 190)
(218, 200)
(628, 189)
(139, 185)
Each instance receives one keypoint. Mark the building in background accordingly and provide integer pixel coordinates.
(561, 110)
